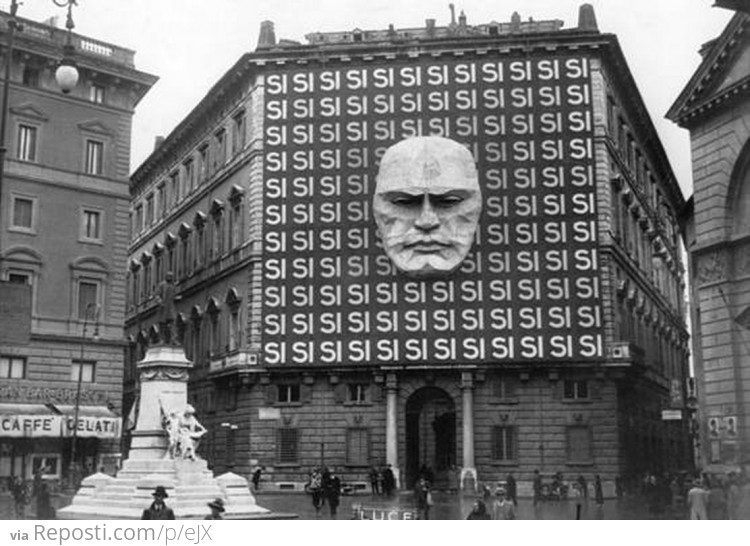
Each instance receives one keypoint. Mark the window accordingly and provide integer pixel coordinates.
(504, 389)
(30, 76)
(357, 392)
(85, 368)
(357, 446)
(203, 166)
(234, 328)
(575, 389)
(92, 225)
(88, 298)
(149, 209)
(49, 462)
(27, 139)
(189, 176)
(94, 157)
(503, 443)
(20, 278)
(238, 132)
(287, 442)
(579, 444)
(23, 213)
(161, 198)
(288, 394)
(175, 187)
(12, 367)
(221, 149)
(96, 93)
(138, 219)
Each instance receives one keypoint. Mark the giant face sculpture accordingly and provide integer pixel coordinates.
(427, 204)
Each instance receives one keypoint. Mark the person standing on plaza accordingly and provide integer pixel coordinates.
(502, 507)
(374, 480)
(598, 492)
(511, 490)
(158, 508)
(256, 477)
(20, 492)
(697, 501)
(332, 490)
(423, 496)
(217, 509)
(479, 511)
(583, 486)
(389, 481)
(537, 487)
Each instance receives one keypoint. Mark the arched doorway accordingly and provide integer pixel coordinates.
(430, 433)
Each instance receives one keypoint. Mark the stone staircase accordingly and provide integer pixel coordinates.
(189, 484)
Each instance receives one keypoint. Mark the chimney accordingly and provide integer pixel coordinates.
(587, 18)
(430, 25)
(158, 141)
(453, 14)
(267, 37)
(515, 22)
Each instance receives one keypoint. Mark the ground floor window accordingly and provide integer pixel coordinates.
(579, 444)
(287, 442)
(357, 446)
(504, 443)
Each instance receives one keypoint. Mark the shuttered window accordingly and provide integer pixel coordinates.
(357, 446)
(287, 442)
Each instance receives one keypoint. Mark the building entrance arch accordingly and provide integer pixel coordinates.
(430, 434)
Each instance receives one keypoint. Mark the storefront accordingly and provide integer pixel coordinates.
(34, 436)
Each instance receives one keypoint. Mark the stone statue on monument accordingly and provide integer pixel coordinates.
(166, 298)
(184, 433)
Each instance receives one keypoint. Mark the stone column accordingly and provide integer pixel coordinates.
(391, 426)
(468, 469)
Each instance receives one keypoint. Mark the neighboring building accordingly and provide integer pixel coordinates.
(715, 108)
(559, 343)
(64, 235)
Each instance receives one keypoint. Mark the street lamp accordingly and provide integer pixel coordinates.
(66, 74)
(73, 466)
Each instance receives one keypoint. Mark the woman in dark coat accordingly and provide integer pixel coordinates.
(479, 511)
(332, 489)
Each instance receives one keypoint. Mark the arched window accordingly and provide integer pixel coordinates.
(739, 194)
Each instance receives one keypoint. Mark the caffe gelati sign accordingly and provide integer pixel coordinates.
(529, 289)
(56, 426)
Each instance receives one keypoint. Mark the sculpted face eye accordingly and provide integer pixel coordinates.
(446, 200)
(406, 200)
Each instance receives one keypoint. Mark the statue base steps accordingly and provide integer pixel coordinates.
(190, 486)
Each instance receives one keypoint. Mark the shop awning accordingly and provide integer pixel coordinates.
(52, 421)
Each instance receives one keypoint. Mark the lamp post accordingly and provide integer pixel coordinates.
(66, 74)
(73, 466)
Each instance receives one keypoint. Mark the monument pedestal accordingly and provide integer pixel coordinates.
(189, 483)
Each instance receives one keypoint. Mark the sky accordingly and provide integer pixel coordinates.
(190, 44)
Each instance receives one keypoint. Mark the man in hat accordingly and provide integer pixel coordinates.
(217, 509)
(697, 501)
(502, 507)
(158, 510)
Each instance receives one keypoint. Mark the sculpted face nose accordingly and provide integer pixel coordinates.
(428, 218)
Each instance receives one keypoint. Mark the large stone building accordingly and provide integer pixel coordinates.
(63, 250)
(715, 107)
(559, 345)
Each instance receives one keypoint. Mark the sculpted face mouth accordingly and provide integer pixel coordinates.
(427, 246)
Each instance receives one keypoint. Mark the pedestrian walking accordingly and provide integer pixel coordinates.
(479, 511)
(20, 492)
(502, 507)
(315, 488)
(217, 509)
(598, 492)
(332, 489)
(44, 509)
(423, 496)
(256, 478)
(158, 508)
(697, 501)
(583, 486)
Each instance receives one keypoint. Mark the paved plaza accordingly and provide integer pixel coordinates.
(447, 507)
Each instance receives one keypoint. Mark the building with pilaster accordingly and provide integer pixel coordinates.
(715, 108)
(63, 251)
(560, 343)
